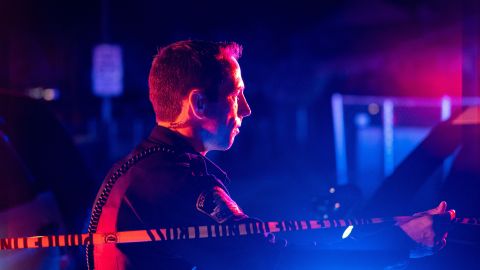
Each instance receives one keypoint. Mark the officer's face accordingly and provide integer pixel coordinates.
(224, 117)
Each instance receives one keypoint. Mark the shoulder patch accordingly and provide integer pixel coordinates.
(216, 203)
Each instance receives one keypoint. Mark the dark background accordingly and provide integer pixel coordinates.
(296, 55)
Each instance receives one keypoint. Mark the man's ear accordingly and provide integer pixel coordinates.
(197, 102)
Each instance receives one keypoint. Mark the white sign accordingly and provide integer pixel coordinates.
(107, 70)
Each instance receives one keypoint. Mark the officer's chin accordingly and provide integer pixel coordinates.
(228, 146)
(223, 146)
(228, 142)
(231, 140)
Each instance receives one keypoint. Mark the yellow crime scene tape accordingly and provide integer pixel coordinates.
(199, 232)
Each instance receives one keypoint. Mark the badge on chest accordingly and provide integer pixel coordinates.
(216, 203)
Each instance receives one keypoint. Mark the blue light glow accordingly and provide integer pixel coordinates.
(339, 132)
(388, 137)
(347, 232)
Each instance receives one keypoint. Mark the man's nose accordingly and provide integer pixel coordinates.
(243, 108)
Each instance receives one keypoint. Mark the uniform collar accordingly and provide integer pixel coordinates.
(161, 134)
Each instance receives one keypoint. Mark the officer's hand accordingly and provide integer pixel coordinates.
(427, 229)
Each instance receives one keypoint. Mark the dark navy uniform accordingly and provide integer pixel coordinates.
(165, 182)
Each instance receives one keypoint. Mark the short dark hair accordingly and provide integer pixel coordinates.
(184, 65)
